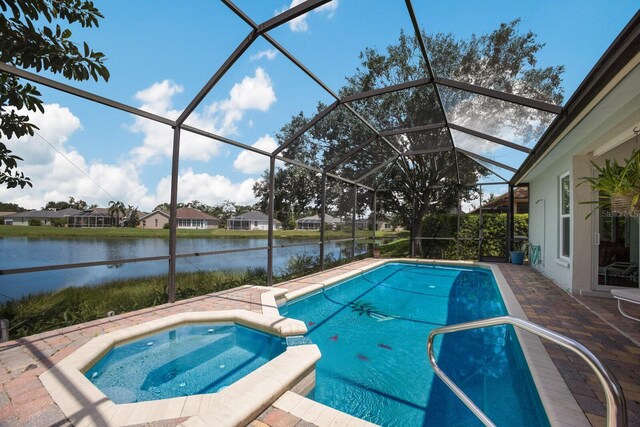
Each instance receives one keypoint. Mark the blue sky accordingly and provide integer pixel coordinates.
(161, 53)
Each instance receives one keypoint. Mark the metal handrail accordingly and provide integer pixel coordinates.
(616, 403)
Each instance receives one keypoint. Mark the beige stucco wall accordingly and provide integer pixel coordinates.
(584, 228)
(544, 224)
(606, 128)
(154, 221)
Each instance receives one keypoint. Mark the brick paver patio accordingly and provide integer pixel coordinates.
(595, 322)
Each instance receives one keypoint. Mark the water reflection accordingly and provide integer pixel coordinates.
(28, 252)
(482, 362)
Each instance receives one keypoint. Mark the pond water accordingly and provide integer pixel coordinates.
(21, 252)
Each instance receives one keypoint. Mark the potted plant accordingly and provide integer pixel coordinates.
(618, 185)
(518, 249)
(376, 250)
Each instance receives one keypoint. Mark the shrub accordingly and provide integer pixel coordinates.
(301, 264)
(59, 222)
(494, 230)
(35, 222)
(72, 305)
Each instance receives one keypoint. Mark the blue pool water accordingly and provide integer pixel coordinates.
(372, 332)
(184, 361)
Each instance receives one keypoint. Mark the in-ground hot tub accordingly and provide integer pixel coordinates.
(223, 368)
(185, 361)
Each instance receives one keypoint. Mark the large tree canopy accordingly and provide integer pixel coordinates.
(503, 60)
(26, 43)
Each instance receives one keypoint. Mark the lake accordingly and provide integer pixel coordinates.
(21, 252)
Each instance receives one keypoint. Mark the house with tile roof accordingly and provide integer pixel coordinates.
(252, 220)
(45, 216)
(313, 222)
(584, 250)
(188, 218)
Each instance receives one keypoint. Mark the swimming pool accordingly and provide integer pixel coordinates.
(185, 361)
(372, 333)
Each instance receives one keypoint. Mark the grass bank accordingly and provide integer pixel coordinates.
(63, 232)
(73, 305)
(397, 249)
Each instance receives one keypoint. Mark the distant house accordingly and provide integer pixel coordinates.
(188, 218)
(313, 222)
(4, 214)
(501, 202)
(92, 218)
(253, 220)
(155, 220)
(365, 224)
(45, 216)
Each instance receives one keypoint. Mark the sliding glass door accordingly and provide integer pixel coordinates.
(616, 250)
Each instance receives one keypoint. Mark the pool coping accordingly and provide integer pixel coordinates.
(559, 403)
(239, 403)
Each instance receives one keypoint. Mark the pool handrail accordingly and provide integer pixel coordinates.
(616, 403)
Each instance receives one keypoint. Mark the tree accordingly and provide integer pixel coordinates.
(116, 208)
(132, 219)
(197, 204)
(26, 43)
(56, 206)
(11, 207)
(72, 203)
(78, 204)
(163, 207)
(296, 193)
(502, 60)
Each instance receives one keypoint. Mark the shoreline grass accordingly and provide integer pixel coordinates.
(114, 232)
(72, 305)
(396, 249)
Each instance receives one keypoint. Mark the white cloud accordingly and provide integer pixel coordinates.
(270, 54)
(300, 24)
(472, 143)
(252, 163)
(56, 175)
(55, 178)
(209, 189)
(157, 98)
(56, 126)
(158, 138)
(252, 93)
(329, 8)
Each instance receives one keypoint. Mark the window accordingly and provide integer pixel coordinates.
(565, 216)
(156, 222)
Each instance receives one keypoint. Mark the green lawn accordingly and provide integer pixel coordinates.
(396, 249)
(62, 232)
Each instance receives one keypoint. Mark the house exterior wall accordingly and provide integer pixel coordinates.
(259, 225)
(197, 224)
(544, 224)
(605, 128)
(155, 221)
(25, 220)
(17, 221)
(583, 227)
(246, 224)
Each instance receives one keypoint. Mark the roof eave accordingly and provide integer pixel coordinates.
(624, 48)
